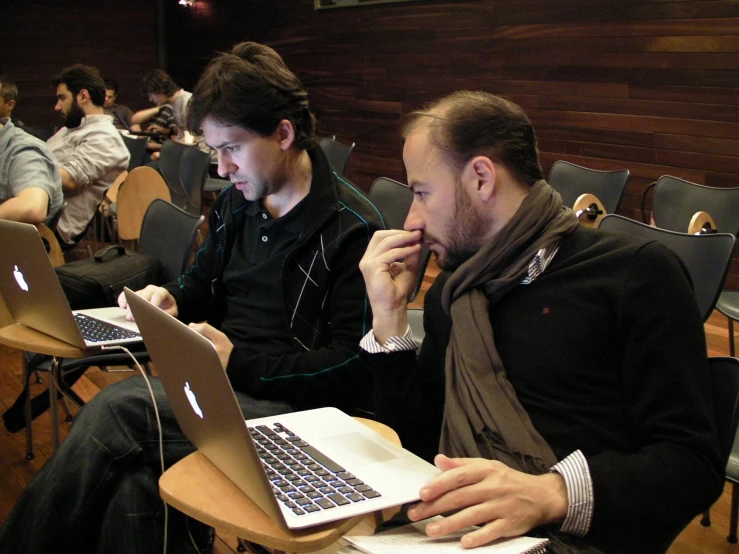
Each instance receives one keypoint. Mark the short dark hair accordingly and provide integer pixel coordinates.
(78, 77)
(252, 87)
(466, 124)
(8, 89)
(158, 82)
(110, 84)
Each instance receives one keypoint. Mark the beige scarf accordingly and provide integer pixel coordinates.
(482, 414)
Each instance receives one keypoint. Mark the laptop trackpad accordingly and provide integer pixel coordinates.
(357, 449)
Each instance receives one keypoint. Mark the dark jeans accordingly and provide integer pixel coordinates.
(98, 492)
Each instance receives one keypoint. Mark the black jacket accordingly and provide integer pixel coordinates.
(607, 354)
(326, 314)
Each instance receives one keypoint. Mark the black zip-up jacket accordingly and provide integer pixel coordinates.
(324, 298)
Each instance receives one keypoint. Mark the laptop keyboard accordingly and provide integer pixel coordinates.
(96, 330)
(302, 478)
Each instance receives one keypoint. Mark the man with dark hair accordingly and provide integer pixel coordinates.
(89, 149)
(276, 287)
(160, 89)
(563, 372)
(122, 115)
(8, 97)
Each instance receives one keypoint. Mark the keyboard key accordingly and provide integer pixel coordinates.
(355, 497)
(362, 488)
(311, 508)
(354, 482)
(303, 501)
(341, 474)
(371, 494)
(298, 512)
(325, 461)
(265, 430)
(325, 503)
(340, 500)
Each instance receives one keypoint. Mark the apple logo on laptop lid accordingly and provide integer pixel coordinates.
(193, 401)
(21, 280)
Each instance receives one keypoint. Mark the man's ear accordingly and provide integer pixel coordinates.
(483, 172)
(83, 96)
(285, 134)
(10, 104)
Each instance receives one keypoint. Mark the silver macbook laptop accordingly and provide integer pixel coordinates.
(302, 468)
(31, 290)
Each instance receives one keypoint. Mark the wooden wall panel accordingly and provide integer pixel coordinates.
(41, 37)
(650, 85)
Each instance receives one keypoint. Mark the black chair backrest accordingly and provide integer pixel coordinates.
(393, 199)
(184, 169)
(725, 380)
(137, 149)
(676, 200)
(337, 153)
(194, 167)
(168, 233)
(706, 257)
(571, 181)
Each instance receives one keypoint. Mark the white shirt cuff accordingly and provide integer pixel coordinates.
(576, 473)
(393, 344)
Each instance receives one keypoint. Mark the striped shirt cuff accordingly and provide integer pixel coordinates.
(576, 473)
(393, 344)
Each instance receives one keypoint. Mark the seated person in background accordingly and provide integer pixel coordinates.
(122, 115)
(563, 373)
(30, 185)
(8, 97)
(163, 127)
(88, 148)
(278, 287)
(161, 90)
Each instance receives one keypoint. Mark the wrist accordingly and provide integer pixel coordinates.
(389, 324)
(557, 502)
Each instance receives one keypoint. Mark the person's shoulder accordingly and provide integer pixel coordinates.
(353, 200)
(19, 140)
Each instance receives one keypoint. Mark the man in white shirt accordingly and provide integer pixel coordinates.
(88, 148)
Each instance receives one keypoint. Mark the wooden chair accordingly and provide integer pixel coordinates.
(197, 488)
(142, 186)
(54, 249)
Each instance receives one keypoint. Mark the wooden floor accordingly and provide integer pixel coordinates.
(16, 472)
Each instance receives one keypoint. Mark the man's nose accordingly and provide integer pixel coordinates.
(414, 221)
(224, 166)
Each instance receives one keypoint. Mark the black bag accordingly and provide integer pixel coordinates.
(97, 283)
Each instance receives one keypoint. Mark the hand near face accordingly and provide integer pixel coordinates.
(505, 502)
(158, 296)
(390, 268)
(220, 341)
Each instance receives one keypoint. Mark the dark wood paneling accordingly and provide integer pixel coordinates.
(649, 85)
(41, 37)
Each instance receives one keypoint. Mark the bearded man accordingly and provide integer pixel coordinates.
(562, 383)
(89, 149)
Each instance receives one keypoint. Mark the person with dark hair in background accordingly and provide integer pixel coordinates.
(8, 97)
(122, 115)
(88, 148)
(162, 91)
(276, 288)
(562, 384)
